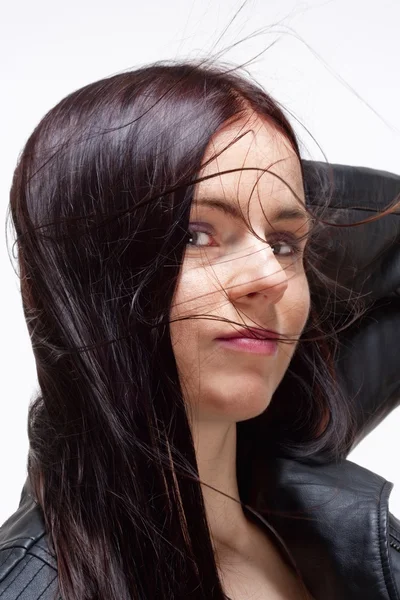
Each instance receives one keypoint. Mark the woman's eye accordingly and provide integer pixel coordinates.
(199, 238)
(283, 248)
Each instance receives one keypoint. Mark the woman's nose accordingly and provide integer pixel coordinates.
(257, 273)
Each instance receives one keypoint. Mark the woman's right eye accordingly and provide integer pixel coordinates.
(199, 237)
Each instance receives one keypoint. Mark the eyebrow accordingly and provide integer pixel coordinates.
(283, 213)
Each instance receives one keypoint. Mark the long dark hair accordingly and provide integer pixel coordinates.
(100, 203)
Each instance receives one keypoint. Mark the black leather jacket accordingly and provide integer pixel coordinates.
(338, 526)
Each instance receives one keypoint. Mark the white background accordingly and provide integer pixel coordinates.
(334, 65)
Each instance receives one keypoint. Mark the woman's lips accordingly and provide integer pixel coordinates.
(250, 344)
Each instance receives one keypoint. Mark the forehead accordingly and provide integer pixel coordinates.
(266, 163)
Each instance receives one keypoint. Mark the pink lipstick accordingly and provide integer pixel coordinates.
(253, 340)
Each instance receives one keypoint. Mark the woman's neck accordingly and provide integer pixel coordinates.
(215, 445)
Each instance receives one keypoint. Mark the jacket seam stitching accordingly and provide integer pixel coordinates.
(395, 535)
(5, 545)
(387, 571)
(16, 576)
(29, 582)
(43, 550)
(27, 551)
(47, 587)
(43, 560)
(3, 562)
(31, 555)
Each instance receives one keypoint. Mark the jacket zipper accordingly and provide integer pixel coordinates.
(395, 545)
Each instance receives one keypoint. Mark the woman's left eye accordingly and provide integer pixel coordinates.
(285, 248)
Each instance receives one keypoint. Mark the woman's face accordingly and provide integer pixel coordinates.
(243, 267)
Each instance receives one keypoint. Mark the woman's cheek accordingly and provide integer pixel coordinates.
(189, 299)
(301, 303)
(193, 291)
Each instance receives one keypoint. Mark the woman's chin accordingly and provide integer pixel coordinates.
(236, 404)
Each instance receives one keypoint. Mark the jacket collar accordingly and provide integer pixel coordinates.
(334, 520)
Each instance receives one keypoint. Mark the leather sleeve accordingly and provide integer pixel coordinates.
(28, 570)
(368, 366)
(365, 262)
(24, 574)
(394, 550)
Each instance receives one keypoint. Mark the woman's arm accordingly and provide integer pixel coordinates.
(369, 366)
(365, 260)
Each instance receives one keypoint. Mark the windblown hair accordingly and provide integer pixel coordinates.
(100, 203)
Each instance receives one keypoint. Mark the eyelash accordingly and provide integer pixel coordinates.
(278, 238)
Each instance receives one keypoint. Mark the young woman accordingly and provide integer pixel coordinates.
(169, 277)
